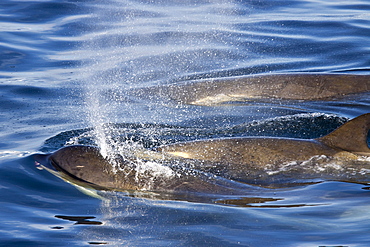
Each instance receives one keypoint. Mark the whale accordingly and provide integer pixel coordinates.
(223, 165)
(217, 91)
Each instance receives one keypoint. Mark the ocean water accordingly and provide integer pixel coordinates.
(67, 66)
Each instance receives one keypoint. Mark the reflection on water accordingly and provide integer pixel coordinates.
(302, 213)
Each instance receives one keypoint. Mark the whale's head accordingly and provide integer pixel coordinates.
(83, 165)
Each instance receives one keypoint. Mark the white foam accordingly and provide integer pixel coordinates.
(364, 158)
(152, 171)
(317, 164)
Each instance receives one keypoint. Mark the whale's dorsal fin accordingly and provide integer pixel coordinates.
(351, 136)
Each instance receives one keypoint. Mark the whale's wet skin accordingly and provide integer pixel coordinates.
(220, 166)
(251, 88)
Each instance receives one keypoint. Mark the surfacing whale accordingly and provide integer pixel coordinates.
(221, 165)
(245, 88)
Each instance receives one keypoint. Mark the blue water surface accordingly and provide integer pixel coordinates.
(67, 65)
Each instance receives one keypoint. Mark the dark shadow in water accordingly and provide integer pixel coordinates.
(247, 201)
(57, 227)
(306, 126)
(80, 220)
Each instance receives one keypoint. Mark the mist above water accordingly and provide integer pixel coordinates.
(129, 46)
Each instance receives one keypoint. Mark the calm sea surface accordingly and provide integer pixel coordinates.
(67, 65)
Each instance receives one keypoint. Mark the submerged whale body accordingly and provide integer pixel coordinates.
(221, 165)
(245, 88)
